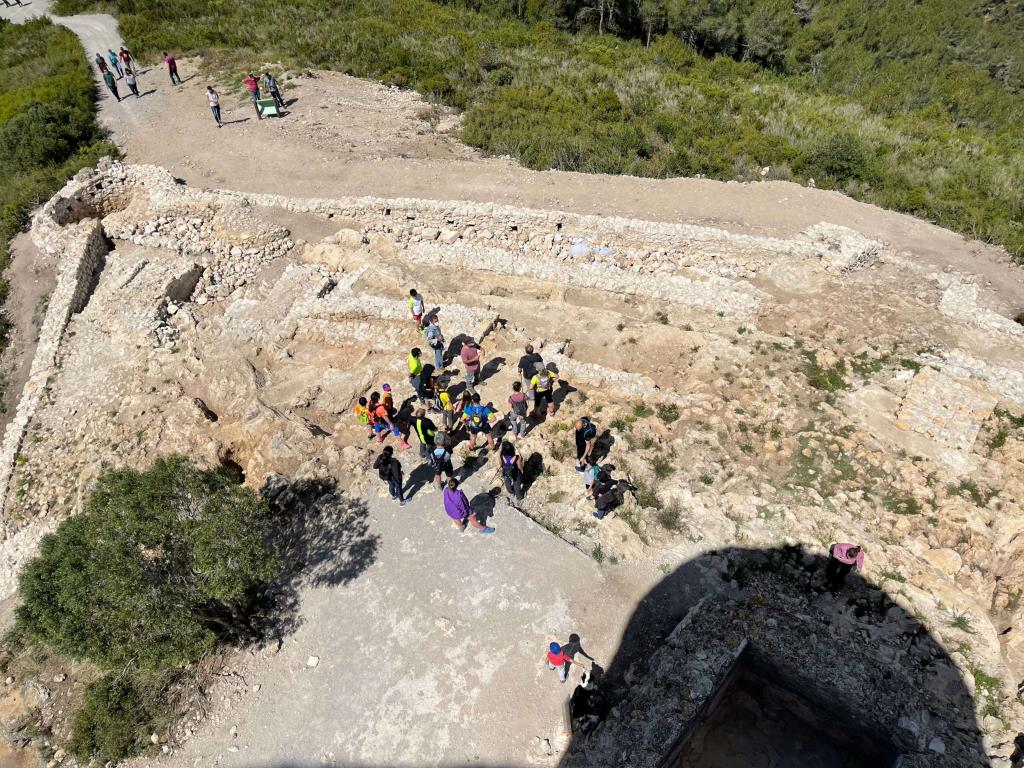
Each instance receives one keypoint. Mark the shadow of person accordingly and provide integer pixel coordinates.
(491, 367)
(603, 446)
(419, 478)
(146, 93)
(768, 662)
(483, 505)
(533, 466)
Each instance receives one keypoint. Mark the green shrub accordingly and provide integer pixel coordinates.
(158, 567)
(112, 723)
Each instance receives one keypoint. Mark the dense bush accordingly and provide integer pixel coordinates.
(158, 566)
(48, 128)
(915, 106)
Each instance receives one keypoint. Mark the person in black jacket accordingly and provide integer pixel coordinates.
(390, 471)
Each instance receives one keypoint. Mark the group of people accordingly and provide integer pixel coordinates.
(123, 64)
(530, 401)
(252, 85)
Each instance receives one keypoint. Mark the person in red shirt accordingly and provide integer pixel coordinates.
(254, 92)
(560, 660)
(172, 68)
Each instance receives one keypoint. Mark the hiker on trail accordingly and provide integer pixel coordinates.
(511, 469)
(415, 371)
(390, 471)
(470, 356)
(443, 403)
(254, 92)
(101, 63)
(213, 98)
(270, 82)
(457, 506)
(111, 84)
(842, 558)
(608, 494)
(478, 421)
(363, 415)
(528, 366)
(115, 62)
(172, 68)
(127, 60)
(436, 341)
(586, 436)
(381, 419)
(417, 307)
(518, 402)
(132, 81)
(558, 659)
(543, 385)
(441, 459)
(425, 430)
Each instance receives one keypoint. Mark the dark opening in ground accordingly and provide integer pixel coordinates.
(233, 468)
(756, 722)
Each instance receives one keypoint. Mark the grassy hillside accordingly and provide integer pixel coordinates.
(915, 105)
(48, 127)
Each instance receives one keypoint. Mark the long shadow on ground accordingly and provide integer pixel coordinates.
(861, 675)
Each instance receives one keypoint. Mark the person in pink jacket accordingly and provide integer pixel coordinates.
(842, 558)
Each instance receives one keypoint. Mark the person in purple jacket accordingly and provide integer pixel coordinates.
(457, 506)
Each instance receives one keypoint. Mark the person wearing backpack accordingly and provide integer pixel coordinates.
(435, 339)
(389, 469)
(586, 436)
(478, 421)
(443, 403)
(425, 431)
(441, 459)
(518, 402)
(363, 416)
(511, 469)
(543, 385)
(381, 421)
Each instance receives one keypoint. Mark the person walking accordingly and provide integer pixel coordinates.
(441, 459)
(842, 558)
(172, 68)
(254, 92)
(608, 494)
(590, 473)
(586, 436)
(111, 84)
(471, 355)
(213, 99)
(127, 60)
(528, 366)
(436, 341)
(132, 81)
(457, 506)
(417, 307)
(543, 385)
(558, 659)
(518, 404)
(511, 469)
(415, 369)
(425, 430)
(270, 83)
(101, 63)
(389, 469)
(478, 421)
(115, 62)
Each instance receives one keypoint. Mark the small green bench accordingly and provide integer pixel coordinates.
(267, 107)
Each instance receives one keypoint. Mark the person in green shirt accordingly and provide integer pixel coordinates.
(109, 80)
(415, 372)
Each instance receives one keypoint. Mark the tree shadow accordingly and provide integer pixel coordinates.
(323, 540)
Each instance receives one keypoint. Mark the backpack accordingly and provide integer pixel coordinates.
(589, 428)
(508, 466)
(544, 380)
(363, 414)
(518, 406)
